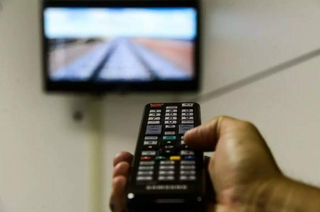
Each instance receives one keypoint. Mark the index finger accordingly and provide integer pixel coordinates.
(206, 136)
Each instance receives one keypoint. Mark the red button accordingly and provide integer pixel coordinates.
(145, 158)
(156, 105)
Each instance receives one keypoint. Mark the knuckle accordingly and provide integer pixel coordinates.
(122, 166)
(247, 125)
(220, 118)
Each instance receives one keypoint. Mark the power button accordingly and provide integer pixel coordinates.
(156, 105)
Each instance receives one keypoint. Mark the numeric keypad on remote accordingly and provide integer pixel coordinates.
(165, 156)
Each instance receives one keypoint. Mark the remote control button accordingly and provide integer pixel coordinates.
(187, 122)
(145, 173)
(187, 104)
(146, 163)
(171, 111)
(166, 167)
(166, 172)
(171, 114)
(182, 137)
(192, 178)
(167, 152)
(154, 114)
(182, 142)
(155, 105)
(187, 111)
(183, 178)
(184, 147)
(168, 143)
(171, 122)
(153, 122)
(189, 158)
(186, 152)
(149, 153)
(144, 178)
(169, 147)
(150, 147)
(167, 138)
(187, 114)
(187, 172)
(145, 158)
(168, 162)
(187, 167)
(159, 158)
(175, 158)
(154, 129)
(188, 178)
(145, 167)
(151, 138)
(187, 118)
(185, 128)
(170, 126)
(148, 143)
(155, 111)
(171, 118)
(172, 107)
(188, 162)
(170, 133)
(154, 119)
(166, 178)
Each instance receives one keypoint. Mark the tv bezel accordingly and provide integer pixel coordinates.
(121, 86)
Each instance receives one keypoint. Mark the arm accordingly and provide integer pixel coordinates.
(287, 195)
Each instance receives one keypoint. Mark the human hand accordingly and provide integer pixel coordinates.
(240, 167)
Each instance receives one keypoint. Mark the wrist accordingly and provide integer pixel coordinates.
(285, 195)
(272, 194)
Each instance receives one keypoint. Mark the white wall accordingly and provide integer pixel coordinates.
(45, 156)
(43, 163)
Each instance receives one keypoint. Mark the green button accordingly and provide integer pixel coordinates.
(161, 158)
(168, 138)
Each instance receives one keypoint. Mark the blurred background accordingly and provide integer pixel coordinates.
(50, 162)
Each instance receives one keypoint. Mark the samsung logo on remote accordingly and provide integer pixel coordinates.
(166, 187)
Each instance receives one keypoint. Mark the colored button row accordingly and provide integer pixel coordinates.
(172, 158)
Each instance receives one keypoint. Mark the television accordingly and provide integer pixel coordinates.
(121, 45)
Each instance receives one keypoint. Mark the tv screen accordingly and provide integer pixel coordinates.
(117, 45)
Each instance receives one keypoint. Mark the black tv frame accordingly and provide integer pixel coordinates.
(121, 86)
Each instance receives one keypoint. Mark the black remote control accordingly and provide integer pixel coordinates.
(166, 175)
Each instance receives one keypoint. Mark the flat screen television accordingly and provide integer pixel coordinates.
(118, 45)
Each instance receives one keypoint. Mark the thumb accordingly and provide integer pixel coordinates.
(206, 136)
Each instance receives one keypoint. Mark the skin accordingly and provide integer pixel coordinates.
(243, 172)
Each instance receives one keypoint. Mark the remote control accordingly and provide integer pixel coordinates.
(166, 175)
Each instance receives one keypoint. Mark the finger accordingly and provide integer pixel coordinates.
(211, 207)
(205, 137)
(207, 160)
(121, 169)
(209, 183)
(122, 157)
(117, 201)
